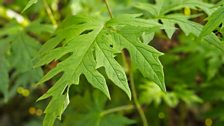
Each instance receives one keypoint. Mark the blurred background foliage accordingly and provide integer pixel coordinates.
(193, 68)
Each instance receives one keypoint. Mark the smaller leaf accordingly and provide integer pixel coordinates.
(89, 112)
(29, 4)
(213, 21)
(169, 27)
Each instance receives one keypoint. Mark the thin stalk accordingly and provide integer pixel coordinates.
(117, 109)
(131, 78)
(108, 8)
(135, 98)
(50, 14)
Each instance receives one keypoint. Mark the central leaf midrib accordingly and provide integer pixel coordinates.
(88, 49)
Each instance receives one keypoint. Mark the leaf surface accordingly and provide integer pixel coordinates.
(17, 51)
(29, 4)
(84, 44)
(213, 21)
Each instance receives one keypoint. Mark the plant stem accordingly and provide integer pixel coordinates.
(131, 77)
(135, 98)
(50, 14)
(117, 109)
(108, 8)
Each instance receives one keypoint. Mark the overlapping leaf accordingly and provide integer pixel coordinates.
(17, 50)
(152, 93)
(90, 111)
(163, 7)
(213, 21)
(170, 20)
(189, 27)
(83, 44)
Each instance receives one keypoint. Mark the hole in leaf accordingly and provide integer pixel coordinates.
(215, 31)
(177, 26)
(86, 31)
(111, 46)
(160, 21)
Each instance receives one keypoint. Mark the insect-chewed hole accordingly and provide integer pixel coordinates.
(215, 31)
(160, 21)
(111, 45)
(86, 31)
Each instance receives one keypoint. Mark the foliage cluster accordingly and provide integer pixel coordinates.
(128, 50)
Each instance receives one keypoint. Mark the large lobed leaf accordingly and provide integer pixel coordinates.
(17, 50)
(84, 44)
(160, 11)
(190, 27)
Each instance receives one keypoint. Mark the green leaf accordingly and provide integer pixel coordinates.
(4, 68)
(170, 20)
(169, 27)
(38, 28)
(150, 92)
(145, 58)
(17, 51)
(29, 4)
(163, 7)
(88, 112)
(23, 49)
(55, 109)
(115, 120)
(219, 3)
(91, 43)
(189, 27)
(213, 21)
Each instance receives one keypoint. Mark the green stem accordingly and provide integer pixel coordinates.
(135, 98)
(117, 109)
(108, 8)
(50, 14)
(131, 77)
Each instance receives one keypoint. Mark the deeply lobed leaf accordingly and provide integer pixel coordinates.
(16, 52)
(83, 44)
